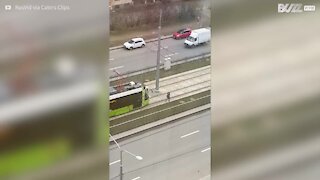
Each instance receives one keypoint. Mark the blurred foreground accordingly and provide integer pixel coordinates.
(266, 92)
(53, 90)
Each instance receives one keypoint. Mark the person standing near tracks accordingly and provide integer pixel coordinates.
(168, 96)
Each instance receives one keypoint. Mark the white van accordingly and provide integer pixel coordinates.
(197, 37)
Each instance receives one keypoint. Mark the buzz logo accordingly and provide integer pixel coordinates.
(290, 8)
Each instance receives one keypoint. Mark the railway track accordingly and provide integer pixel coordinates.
(181, 85)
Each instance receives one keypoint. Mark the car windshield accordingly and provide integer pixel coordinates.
(131, 41)
(181, 31)
(190, 38)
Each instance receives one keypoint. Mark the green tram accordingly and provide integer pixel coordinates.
(127, 97)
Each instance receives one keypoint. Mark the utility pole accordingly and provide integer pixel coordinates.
(158, 53)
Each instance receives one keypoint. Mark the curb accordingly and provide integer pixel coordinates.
(147, 41)
(161, 66)
(160, 122)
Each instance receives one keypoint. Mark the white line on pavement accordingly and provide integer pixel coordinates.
(206, 149)
(111, 59)
(206, 177)
(168, 55)
(186, 135)
(114, 162)
(118, 67)
(136, 178)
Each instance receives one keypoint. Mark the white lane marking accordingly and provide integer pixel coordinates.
(136, 178)
(118, 67)
(207, 177)
(114, 162)
(111, 59)
(168, 55)
(206, 149)
(186, 135)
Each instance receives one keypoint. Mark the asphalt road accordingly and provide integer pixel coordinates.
(179, 150)
(125, 61)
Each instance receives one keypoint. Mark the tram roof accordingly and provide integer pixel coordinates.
(125, 87)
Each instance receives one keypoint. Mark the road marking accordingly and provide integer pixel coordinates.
(118, 67)
(206, 177)
(206, 149)
(186, 135)
(136, 178)
(114, 162)
(168, 55)
(111, 59)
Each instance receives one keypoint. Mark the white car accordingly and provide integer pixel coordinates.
(134, 43)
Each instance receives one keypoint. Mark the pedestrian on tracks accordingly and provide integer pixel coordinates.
(168, 96)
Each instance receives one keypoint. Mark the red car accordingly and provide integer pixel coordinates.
(182, 33)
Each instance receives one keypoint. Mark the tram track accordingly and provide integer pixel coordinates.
(180, 86)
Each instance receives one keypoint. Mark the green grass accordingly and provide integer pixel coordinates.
(34, 156)
(176, 69)
(150, 114)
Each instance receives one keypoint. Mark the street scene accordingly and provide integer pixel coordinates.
(160, 82)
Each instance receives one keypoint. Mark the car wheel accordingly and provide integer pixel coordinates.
(143, 45)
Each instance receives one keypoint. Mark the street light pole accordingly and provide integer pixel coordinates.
(158, 53)
(121, 165)
(121, 152)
